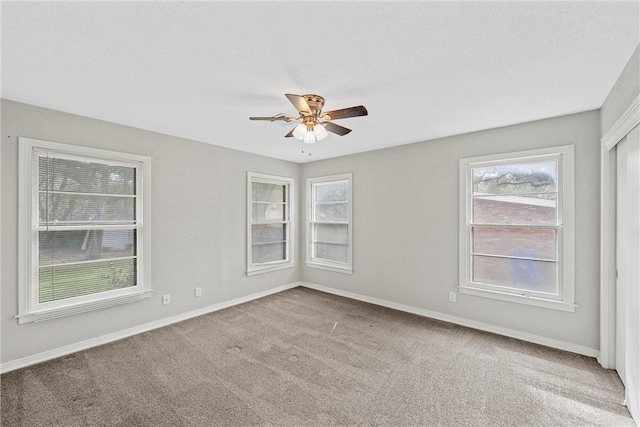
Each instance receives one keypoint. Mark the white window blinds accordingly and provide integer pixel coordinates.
(85, 225)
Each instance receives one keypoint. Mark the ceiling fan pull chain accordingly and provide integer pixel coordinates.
(302, 148)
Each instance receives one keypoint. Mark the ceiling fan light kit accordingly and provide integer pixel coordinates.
(315, 125)
(310, 131)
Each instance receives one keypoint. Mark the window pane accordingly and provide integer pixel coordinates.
(59, 247)
(269, 221)
(85, 177)
(332, 212)
(330, 221)
(269, 252)
(519, 178)
(517, 242)
(266, 192)
(268, 233)
(332, 191)
(85, 209)
(266, 212)
(539, 276)
(331, 233)
(331, 252)
(67, 281)
(526, 209)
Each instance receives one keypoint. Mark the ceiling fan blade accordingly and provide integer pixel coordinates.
(299, 102)
(337, 129)
(344, 113)
(275, 118)
(290, 134)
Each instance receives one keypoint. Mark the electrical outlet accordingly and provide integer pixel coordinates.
(452, 296)
(198, 291)
(166, 299)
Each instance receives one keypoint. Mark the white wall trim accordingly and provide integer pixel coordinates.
(105, 339)
(607, 258)
(628, 120)
(524, 336)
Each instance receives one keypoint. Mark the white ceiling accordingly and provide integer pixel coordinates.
(424, 70)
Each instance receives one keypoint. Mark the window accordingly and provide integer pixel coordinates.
(329, 226)
(269, 229)
(83, 238)
(516, 227)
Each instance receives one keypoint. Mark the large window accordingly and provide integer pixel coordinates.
(329, 228)
(516, 227)
(83, 230)
(269, 228)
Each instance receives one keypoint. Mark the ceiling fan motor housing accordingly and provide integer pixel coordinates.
(315, 103)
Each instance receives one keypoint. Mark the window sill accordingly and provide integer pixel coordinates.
(521, 299)
(344, 270)
(260, 270)
(54, 313)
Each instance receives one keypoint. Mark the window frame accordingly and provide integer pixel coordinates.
(321, 263)
(29, 308)
(289, 261)
(565, 228)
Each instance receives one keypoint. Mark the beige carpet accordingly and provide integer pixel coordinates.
(303, 357)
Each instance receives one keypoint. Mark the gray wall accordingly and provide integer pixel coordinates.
(625, 90)
(405, 226)
(198, 225)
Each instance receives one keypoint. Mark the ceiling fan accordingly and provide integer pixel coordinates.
(314, 123)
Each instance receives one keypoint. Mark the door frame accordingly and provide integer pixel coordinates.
(628, 120)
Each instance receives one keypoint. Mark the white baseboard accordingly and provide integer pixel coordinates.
(105, 339)
(524, 336)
